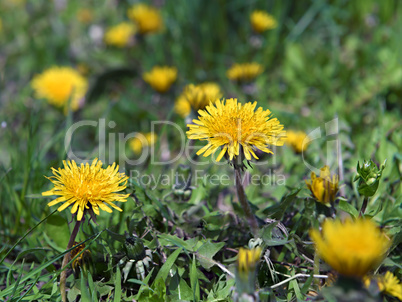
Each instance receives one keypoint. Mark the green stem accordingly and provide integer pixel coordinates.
(63, 275)
(244, 203)
(364, 206)
(316, 268)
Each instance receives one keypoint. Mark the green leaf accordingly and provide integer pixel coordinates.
(144, 284)
(164, 271)
(26, 234)
(73, 294)
(306, 285)
(85, 296)
(278, 210)
(293, 284)
(117, 286)
(91, 287)
(184, 291)
(348, 208)
(195, 285)
(208, 251)
(43, 266)
(57, 230)
(167, 239)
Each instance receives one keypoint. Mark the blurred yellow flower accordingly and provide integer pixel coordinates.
(262, 21)
(244, 72)
(324, 188)
(160, 78)
(295, 140)
(60, 84)
(87, 187)
(236, 128)
(85, 15)
(247, 260)
(387, 284)
(197, 97)
(120, 35)
(182, 107)
(137, 144)
(147, 18)
(352, 248)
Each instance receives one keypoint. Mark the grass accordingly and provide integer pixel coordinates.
(331, 69)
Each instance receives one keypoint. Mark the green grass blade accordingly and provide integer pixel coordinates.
(26, 234)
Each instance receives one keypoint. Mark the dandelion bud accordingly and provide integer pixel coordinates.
(324, 188)
(247, 261)
(369, 177)
(134, 248)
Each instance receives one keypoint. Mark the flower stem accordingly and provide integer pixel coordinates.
(244, 203)
(63, 275)
(316, 270)
(364, 206)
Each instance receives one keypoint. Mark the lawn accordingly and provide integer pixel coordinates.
(200, 150)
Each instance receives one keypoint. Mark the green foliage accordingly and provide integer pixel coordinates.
(369, 177)
(327, 60)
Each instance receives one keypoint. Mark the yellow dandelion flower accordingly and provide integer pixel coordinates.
(352, 248)
(120, 35)
(235, 127)
(182, 107)
(247, 260)
(244, 72)
(147, 18)
(295, 139)
(137, 144)
(262, 21)
(87, 187)
(323, 188)
(160, 78)
(60, 84)
(388, 284)
(197, 97)
(84, 15)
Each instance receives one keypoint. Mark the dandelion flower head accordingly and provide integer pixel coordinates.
(247, 260)
(60, 84)
(87, 187)
(296, 140)
(85, 15)
(388, 284)
(244, 72)
(120, 35)
(197, 97)
(160, 78)
(262, 21)
(137, 144)
(352, 248)
(147, 18)
(182, 107)
(233, 127)
(325, 187)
